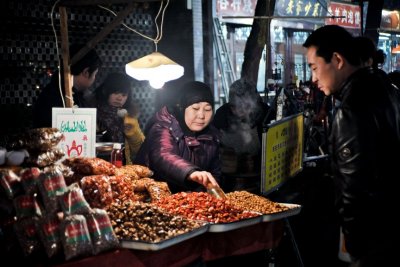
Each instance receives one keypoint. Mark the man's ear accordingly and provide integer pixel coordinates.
(338, 60)
(86, 72)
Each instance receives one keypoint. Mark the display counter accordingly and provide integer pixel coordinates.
(208, 247)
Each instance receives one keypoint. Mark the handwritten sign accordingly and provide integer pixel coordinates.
(78, 125)
(282, 152)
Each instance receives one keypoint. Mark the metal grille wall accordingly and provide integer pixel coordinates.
(28, 53)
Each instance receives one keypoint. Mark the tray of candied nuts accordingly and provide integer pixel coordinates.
(201, 206)
(270, 210)
(143, 226)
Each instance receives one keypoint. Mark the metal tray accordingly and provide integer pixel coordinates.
(154, 246)
(224, 227)
(104, 146)
(293, 210)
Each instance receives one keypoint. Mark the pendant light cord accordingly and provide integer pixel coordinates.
(159, 29)
(58, 52)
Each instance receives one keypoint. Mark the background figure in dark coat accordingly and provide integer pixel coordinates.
(84, 74)
(181, 146)
(241, 124)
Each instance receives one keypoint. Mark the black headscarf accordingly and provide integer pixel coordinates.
(191, 92)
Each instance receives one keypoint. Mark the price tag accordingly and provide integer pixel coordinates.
(78, 125)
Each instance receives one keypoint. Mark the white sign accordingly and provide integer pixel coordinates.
(78, 125)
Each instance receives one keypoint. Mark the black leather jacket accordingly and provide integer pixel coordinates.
(365, 147)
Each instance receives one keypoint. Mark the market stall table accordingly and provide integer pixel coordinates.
(209, 246)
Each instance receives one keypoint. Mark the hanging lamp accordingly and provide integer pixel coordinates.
(155, 67)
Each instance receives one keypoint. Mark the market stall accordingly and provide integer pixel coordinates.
(86, 211)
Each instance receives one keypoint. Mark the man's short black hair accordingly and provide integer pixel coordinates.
(332, 38)
(91, 60)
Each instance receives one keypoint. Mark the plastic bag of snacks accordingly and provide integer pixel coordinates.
(36, 139)
(51, 183)
(122, 188)
(73, 202)
(26, 206)
(49, 233)
(97, 190)
(158, 190)
(30, 179)
(45, 158)
(75, 236)
(10, 182)
(27, 235)
(101, 231)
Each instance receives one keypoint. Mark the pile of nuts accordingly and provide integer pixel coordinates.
(144, 222)
(203, 206)
(248, 201)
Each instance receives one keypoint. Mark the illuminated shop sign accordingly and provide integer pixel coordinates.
(301, 8)
(236, 7)
(308, 8)
(350, 15)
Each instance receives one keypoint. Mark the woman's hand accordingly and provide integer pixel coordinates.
(202, 177)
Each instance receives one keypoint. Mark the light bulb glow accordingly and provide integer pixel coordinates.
(156, 84)
(155, 68)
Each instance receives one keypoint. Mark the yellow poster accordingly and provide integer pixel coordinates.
(282, 151)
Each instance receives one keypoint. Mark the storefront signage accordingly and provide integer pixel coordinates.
(236, 8)
(78, 125)
(282, 150)
(307, 8)
(301, 8)
(350, 15)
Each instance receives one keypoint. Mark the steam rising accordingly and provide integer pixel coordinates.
(245, 104)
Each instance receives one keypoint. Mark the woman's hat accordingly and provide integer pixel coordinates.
(195, 92)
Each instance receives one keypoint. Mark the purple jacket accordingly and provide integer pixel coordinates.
(172, 156)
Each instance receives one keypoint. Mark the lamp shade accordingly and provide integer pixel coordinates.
(155, 68)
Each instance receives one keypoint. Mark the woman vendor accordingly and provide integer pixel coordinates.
(181, 147)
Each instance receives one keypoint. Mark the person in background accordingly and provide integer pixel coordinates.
(84, 74)
(364, 141)
(370, 56)
(181, 147)
(241, 124)
(117, 114)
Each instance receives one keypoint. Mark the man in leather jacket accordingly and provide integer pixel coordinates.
(365, 141)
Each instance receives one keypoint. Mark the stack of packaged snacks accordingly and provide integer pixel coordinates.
(30, 179)
(75, 236)
(51, 183)
(49, 233)
(27, 235)
(72, 201)
(10, 182)
(101, 231)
